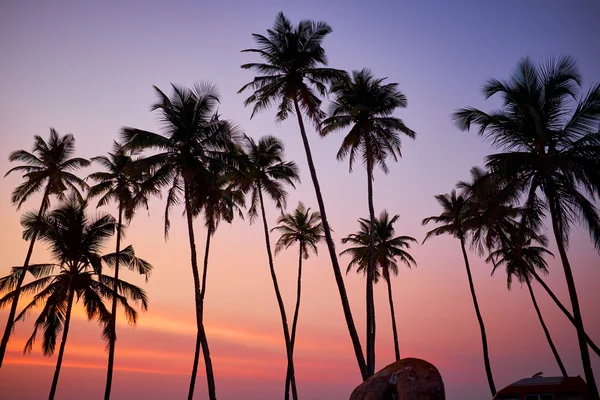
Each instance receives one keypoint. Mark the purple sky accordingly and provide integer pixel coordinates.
(88, 68)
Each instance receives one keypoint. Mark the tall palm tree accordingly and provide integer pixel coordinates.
(120, 183)
(520, 253)
(75, 242)
(49, 167)
(266, 171)
(195, 136)
(294, 71)
(457, 220)
(304, 228)
(550, 149)
(365, 105)
(386, 251)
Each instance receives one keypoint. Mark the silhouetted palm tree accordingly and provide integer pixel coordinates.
(122, 184)
(386, 251)
(267, 171)
(194, 137)
(521, 252)
(75, 242)
(49, 167)
(304, 228)
(294, 72)
(457, 220)
(365, 105)
(549, 149)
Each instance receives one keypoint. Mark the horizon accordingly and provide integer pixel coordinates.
(88, 69)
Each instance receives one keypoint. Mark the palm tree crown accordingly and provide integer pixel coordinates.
(121, 182)
(302, 227)
(48, 166)
(520, 253)
(545, 145)
(387, 248)
(367, 103)
(294, 68)
(455, 220)
(218, 196)
(265, 170)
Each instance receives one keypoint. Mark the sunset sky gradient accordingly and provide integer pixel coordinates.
(88, 68)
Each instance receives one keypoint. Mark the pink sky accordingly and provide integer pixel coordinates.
(88, 70)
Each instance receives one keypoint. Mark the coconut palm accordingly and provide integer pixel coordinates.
(120, 183)
(304, 228)
(457, 220)
(365, 105)
(550, 150)
(293, 73)
(387, 250)
(48, 168)
(194, 137)
(75, 242)
(521, 252)
(266, 171)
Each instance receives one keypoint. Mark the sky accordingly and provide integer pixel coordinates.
(87, 68)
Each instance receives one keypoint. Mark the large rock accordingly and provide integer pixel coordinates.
(407, 379)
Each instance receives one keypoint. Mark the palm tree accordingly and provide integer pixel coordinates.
(121, 183)
(304, 228)
(520, 253)
(365, 104)
(387, 249)
(457, 220)
(49, 167)
(548, 149)
(294, 71)
(75, 242)
(267, 171)
(195, 136)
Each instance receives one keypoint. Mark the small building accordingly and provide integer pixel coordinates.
(545, 388)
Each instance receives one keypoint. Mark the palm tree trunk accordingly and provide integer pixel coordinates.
(113, 317)
(360, 358)
(486, 357)
(546, 332)
(63, 342)
(201, 333)
(589, 341)
(13, 307)
(585, 355)
(295, 321)
(370, 269)
(286, 332)
(394, 330)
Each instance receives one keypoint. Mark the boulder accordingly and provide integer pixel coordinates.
(407, 379)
